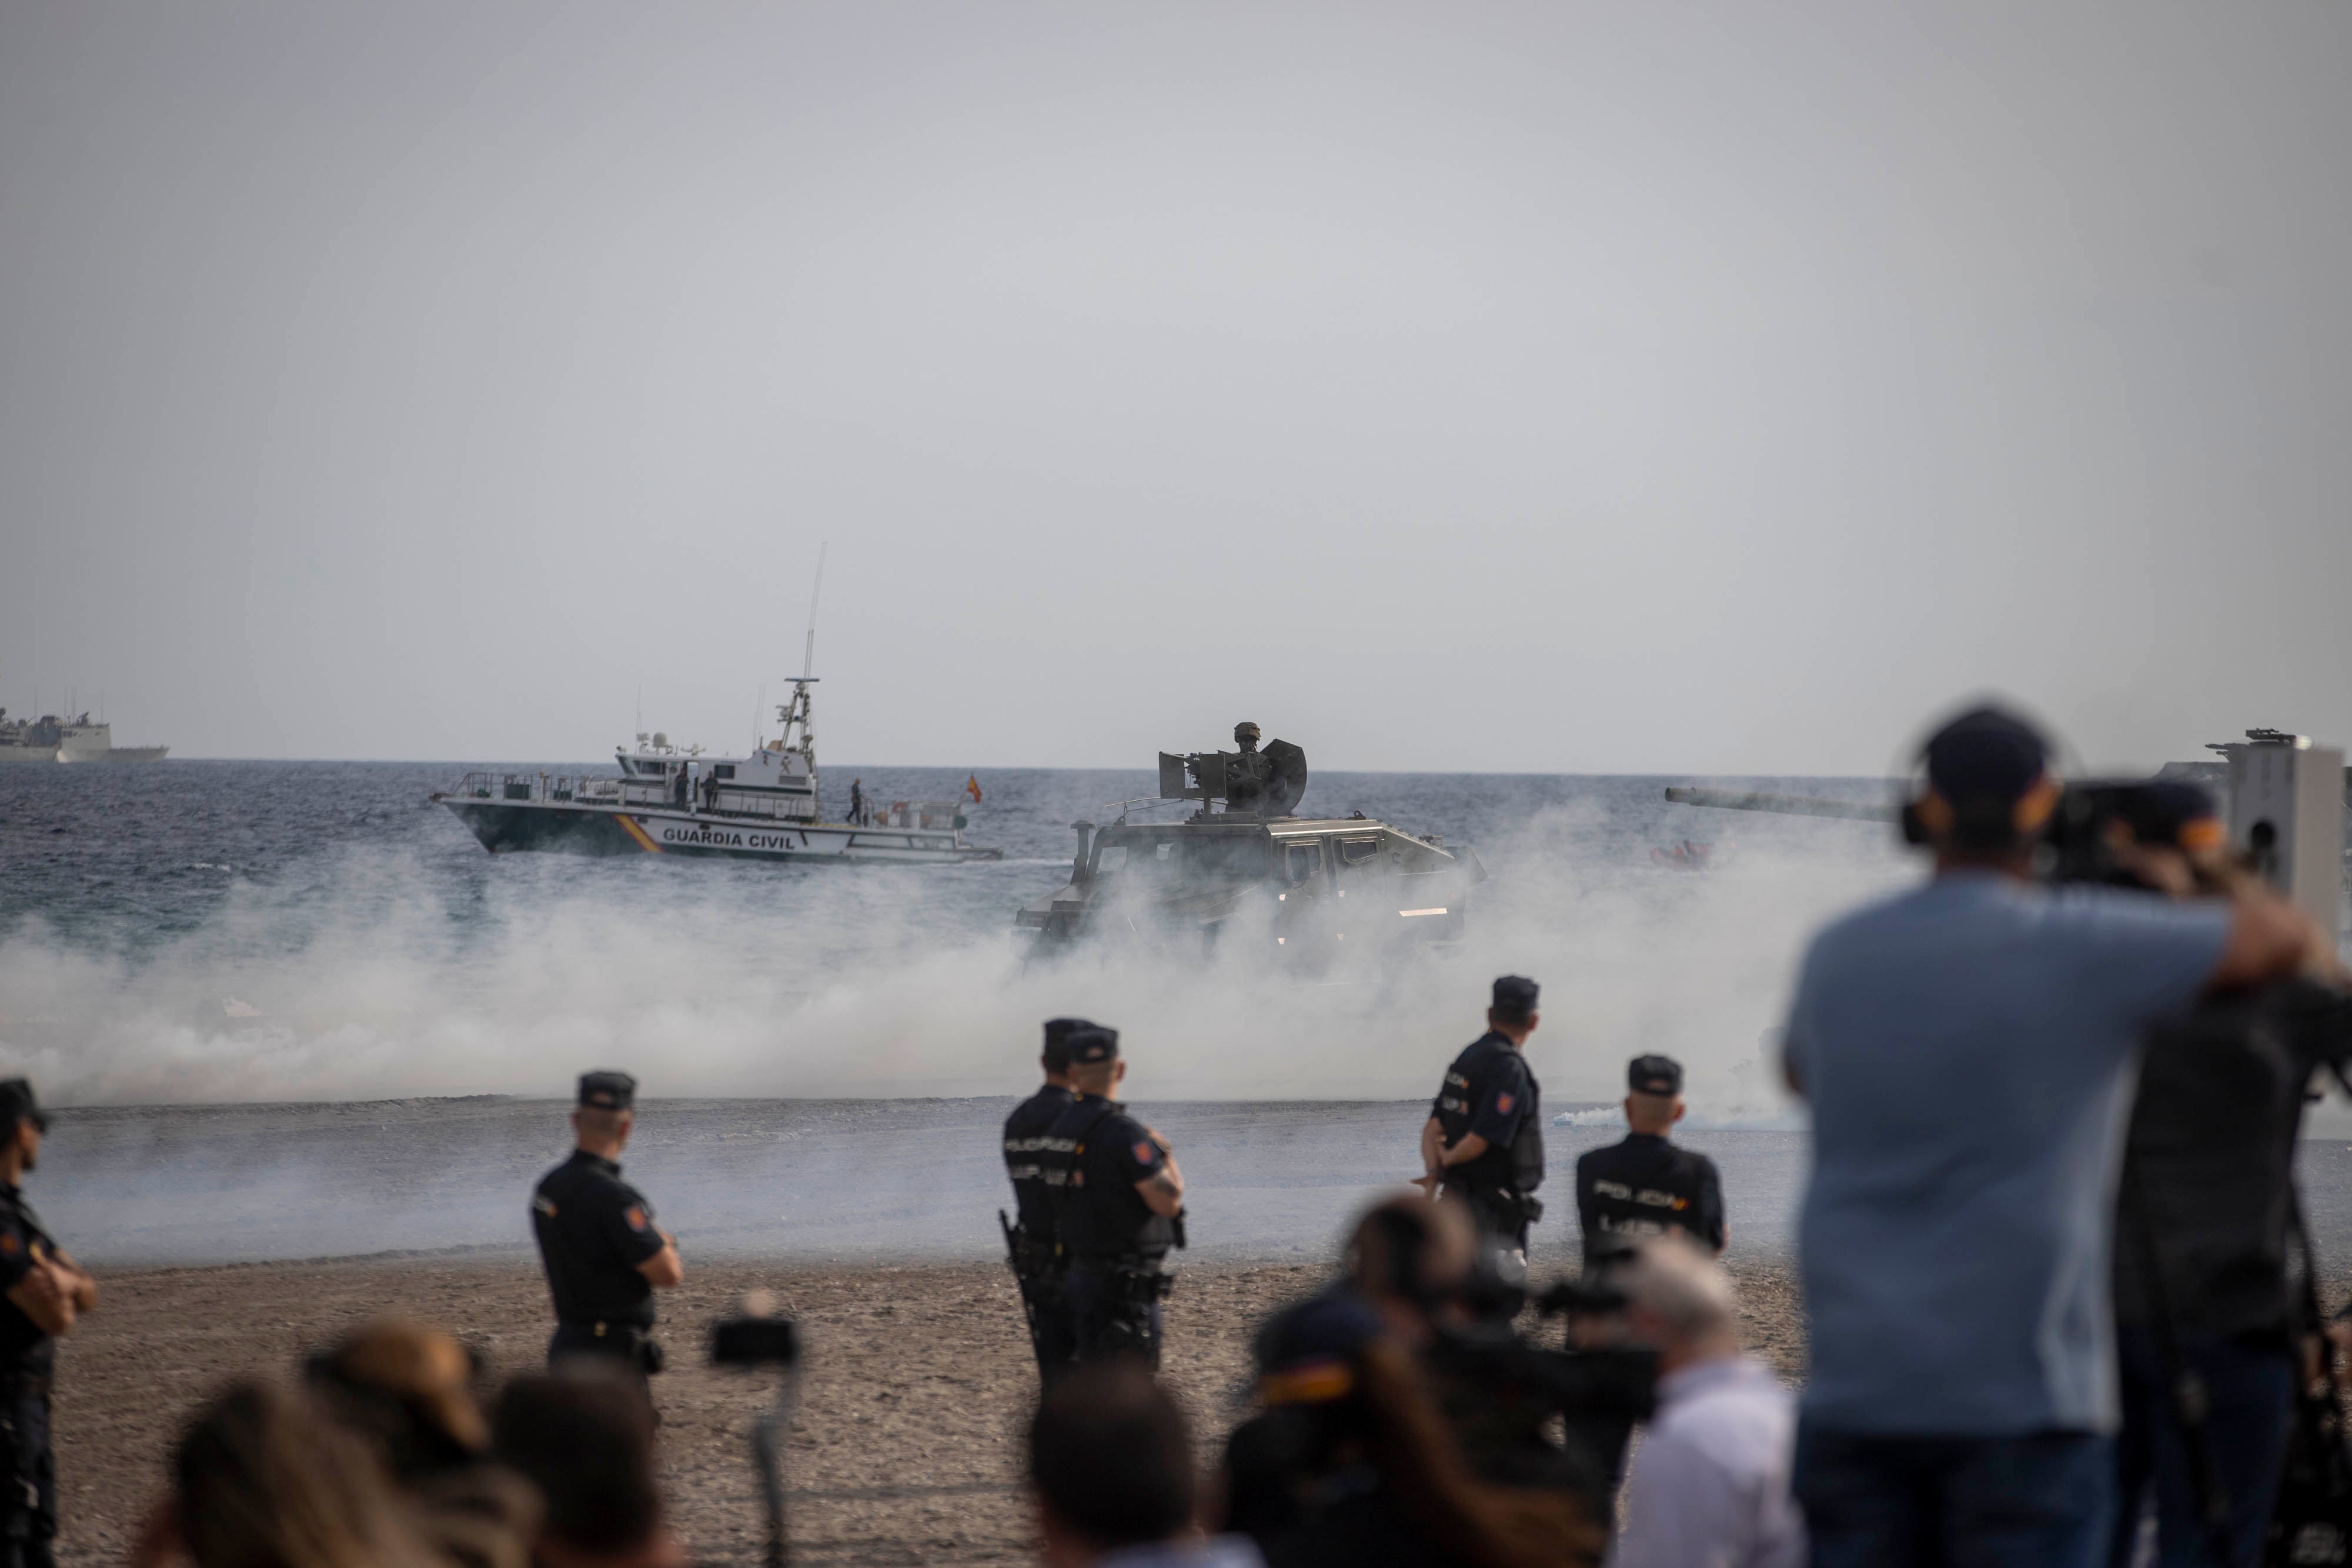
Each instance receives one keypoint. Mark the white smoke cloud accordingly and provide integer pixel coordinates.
(367, 983)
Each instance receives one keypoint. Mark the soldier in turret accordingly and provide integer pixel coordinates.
(1247, 772)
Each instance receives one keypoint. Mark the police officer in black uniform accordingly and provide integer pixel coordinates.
(1484, 1139)
(1119, 1206)
(45, 1291)
(1644, 1186)
(1036, 1237)
(605, 1256)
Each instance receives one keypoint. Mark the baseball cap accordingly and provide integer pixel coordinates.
(1654, 1075)
(1093, 1043)
(608, 1091)
(1985, 755)
(2175, 811)
(1514, 997)
(1057, 1042)
(1305, 1354)
(17, 1105)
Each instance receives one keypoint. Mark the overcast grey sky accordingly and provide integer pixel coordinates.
(1593, 388)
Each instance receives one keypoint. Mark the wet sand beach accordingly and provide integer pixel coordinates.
(905, 1451)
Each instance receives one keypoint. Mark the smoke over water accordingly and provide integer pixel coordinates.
(406, 963)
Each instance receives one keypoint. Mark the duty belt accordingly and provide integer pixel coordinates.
(1139, 1278)
(1526, 1205)
(634, 1341)
(611, 1328)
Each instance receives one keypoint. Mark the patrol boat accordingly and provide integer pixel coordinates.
(672, 799)
(1310, 888)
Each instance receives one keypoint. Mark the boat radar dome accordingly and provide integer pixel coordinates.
(661, 738)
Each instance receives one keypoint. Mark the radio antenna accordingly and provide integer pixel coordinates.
(808, 653)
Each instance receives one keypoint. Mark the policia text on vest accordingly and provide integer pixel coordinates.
(1645, 1186)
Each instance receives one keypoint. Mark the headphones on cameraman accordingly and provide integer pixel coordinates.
(1927, 816)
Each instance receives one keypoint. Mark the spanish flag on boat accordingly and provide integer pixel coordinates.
(972, 787)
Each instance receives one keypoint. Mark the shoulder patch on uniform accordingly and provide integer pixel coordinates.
(1503, 1103)
(9, 1245)
(636, 1217)
(545, 1206)
(1144, 1152)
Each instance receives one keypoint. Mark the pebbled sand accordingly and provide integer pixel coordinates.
(905, 1451)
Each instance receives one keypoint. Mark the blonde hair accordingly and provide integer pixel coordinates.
(1681, 1286)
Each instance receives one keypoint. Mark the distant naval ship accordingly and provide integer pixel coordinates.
(50, 738)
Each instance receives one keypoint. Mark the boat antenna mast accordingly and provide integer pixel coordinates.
(796, 712)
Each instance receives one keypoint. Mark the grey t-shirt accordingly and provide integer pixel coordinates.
(1967, 1049)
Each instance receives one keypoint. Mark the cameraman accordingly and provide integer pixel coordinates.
(1966, 1047)
(2203, 1219)
(1350, 1462)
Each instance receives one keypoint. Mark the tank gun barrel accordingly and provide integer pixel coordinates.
(1783, 805)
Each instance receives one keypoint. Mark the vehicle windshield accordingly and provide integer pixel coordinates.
(1233, 857)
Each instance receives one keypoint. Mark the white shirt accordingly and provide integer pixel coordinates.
(1216, 1551)
(1710, 1485)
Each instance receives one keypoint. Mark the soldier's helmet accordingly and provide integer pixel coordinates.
(1246, 733)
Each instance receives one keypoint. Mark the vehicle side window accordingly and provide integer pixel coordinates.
(1110, 858)
(1302, 863)
(1356, 851)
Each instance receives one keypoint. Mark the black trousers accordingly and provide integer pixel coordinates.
(29, 1482)
(1111, 1314)
(1052, 1335)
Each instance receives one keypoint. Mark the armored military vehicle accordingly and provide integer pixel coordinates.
(1309, 889)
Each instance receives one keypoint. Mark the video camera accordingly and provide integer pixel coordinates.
(757, 1341)
(1598, 1394)
(2079, 840)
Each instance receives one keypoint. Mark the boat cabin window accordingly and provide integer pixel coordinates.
(722, 770)
(1110, 858)
(1302, 862)
(1356, 851)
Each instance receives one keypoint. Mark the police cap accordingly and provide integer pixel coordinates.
(17, 1105)
(608, 1091)
(1057, 1042)
(1515, 998)
(1305, 1354)
(1654, 1075)
(1985, 756)
(1093, 1043)
(2175, 811)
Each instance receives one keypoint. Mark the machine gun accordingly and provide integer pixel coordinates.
(1262, 783)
